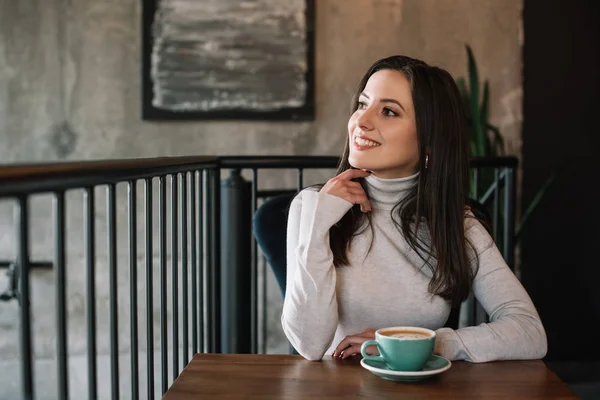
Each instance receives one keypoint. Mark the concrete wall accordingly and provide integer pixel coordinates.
(70, 90)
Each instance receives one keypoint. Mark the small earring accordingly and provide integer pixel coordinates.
(426, 160)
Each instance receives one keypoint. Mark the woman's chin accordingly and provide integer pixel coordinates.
(356, 162)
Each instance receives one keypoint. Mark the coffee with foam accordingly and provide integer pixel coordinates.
(402, 348)
(406, 334)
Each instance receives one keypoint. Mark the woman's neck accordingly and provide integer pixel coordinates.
(386, 193)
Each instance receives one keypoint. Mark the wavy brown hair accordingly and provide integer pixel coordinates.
(439, 199)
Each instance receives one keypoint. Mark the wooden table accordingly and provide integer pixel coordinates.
(225, 376)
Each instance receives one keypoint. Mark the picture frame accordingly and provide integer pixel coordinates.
(223, 62)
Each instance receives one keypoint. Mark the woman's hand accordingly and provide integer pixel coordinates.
(350, 345)
(342, 186)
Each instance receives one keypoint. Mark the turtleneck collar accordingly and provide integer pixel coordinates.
(386, 193)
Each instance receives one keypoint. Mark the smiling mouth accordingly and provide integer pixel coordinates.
(362, 142)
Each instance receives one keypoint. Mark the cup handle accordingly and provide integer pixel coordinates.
(363, 351)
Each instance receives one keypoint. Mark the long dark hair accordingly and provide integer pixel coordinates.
(439, 199)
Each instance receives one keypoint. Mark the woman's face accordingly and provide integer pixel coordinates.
(382, 131)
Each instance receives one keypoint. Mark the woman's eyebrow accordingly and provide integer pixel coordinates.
(385, 101)
(393, 101)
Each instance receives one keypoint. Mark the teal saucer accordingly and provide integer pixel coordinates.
(435, 365)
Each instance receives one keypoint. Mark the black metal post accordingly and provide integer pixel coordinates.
(162, 221)
(90, 304)
(263, 300)
(174, 274)
(184, 268)
(213, 250)
(194, 264)
(202, 260)
(253, 270)
(61, 296)
(132, 205)
(236, 293)
(496, 208)
(300, 181)
(149, 291)
(509, 215)
(111, 223)
(22, 221)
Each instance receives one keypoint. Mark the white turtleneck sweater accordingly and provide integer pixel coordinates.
(388, 285)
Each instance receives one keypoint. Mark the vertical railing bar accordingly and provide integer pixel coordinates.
(506, 217)
(149, 291)
(474, 302)
(132, 200)
(214, 261)
(208, 249)
(90, 304)
(201, 260)
(300, 179)
(496, 209)
(22, 220)
(111, 205)
(184, 268)
(509, 215)
(194, 264)
(208, 306)
(475, 187)
(254, 272)
(162, 199)
(263, 327)
(61, 296)
(174, 274)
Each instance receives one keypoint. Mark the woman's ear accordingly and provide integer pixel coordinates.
(427, 152)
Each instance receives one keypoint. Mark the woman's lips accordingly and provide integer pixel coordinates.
(362, 143)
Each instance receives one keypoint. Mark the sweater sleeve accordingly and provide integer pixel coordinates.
(515, 331)
(310, 310)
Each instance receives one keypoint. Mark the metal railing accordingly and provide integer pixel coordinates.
(189, 192)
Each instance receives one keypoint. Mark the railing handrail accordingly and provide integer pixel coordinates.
(22, 179)
(266, 162)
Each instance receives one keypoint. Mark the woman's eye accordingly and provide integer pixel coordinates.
(388, 112)
(362, 105)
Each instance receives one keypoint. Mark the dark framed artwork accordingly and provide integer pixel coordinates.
(228, 59)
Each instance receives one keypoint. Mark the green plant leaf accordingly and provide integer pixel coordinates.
(485, 103)
(474, 103)
(483, 117)
(462, 87)
(498, 140)
(533, 205)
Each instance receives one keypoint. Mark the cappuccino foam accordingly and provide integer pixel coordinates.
(406, 334)
(409, 336)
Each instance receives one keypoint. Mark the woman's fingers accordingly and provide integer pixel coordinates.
(354, 350)
(352, 184)
(350, 345)
(353, 174)
(342, 186)
(358, 196)
(346, 343)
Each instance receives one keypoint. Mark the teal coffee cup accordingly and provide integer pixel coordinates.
(402, 348)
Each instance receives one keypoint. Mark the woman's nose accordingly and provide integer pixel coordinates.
(365, 120)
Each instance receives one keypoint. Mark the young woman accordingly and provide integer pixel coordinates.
(390, 240)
